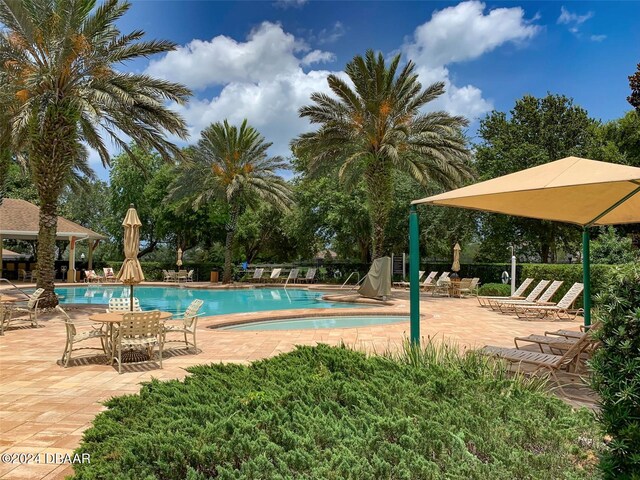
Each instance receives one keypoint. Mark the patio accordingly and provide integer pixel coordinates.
(44, 408)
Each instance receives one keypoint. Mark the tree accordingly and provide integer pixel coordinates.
(368, 132)
(60, 57)
(634, 83)
(612, 248)
(231, 164)
(539, 130)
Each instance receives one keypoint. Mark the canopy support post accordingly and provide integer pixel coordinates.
(586, 276)
(414, 281)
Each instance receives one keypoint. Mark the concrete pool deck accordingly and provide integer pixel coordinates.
(44, 408)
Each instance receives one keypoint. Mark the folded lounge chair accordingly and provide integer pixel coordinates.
(507, 306)
(293, 276)
(275, 274)
(430, 287)
(309, 276)
(562, 310)
(257, 275)
(517, 295)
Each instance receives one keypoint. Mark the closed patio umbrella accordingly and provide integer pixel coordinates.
(456, 258)
(572, 190)
(131, 271)
(179, 261)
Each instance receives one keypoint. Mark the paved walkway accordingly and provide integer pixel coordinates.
(44, 408)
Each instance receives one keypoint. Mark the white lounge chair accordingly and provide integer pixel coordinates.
(293, 276)
(309, 277)
(517, 295)
(562, 310)
(109, 275)
(274, 276)
(404, 284)
(531, 298)
(507, 306)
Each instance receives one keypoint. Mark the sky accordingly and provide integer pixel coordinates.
(262, 60)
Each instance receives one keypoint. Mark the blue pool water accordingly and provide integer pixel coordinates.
(313, 323)
(216, 302)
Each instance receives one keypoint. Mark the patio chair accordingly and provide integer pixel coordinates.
(404, 284)
(293, 276)
(27, 276)
(75, 337)
(517, 295)
(441, 287)
(123, 304)
(309, 276)
(189, 276)
(257, 275)
(431, 286)
(508, 306)
(92, 276)
(555, 341)
(473, 285)
(166, 276)
(138, 330)
(274, 276)
(542, 361)
(30, 309)
(187, 326)
(173, 276)
(182, 276)
(108, 274)
(529, 299)
(562, 310)
(6, 314)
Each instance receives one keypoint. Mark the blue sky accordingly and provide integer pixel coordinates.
(261, 60)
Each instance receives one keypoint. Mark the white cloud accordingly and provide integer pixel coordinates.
(569, 18)
(597, 38)
(284, 4)
(318, 56)
(461, 33)
(331, 35)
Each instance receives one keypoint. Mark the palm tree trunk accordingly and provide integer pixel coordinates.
(5, 157)
(379, 185)
(48, 224)
(231, 226)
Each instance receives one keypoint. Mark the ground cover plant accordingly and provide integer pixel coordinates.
(334, 413)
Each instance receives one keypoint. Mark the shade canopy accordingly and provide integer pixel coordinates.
(131, 271)
(572, 190)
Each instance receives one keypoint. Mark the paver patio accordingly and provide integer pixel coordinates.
(44, 408)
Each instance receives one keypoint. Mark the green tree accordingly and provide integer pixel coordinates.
(231, 164)
(634, 83)
(612, 248)
(537, 131)
(60, 58)
(377, 127)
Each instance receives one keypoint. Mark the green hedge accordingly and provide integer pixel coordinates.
(486, 272)
(153, 270)
(333, 413)
(495, 290)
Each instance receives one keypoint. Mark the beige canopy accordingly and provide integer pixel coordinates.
(572, 190)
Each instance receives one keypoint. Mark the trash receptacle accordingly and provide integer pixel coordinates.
(214, 277)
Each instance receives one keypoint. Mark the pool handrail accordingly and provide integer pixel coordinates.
(351, 275)
(2, 279)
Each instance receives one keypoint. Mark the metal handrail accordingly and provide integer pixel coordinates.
(2, 279)
(351, 275)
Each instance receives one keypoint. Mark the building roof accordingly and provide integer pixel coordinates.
(9, 254)
(19, 221)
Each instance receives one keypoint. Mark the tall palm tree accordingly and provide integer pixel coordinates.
(61, 59)
(377, 126)
(231, 164)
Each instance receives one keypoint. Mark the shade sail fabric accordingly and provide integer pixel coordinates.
(456, 258)
(572, 190)
(131, 271)
(377, 283)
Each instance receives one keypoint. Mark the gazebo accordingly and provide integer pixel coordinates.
(19, 221)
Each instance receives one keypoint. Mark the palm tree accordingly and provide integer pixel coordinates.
(376, 127)
(231, 164)
(61, 57)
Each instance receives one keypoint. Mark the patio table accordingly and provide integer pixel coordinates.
(114, 318)
(10, 299)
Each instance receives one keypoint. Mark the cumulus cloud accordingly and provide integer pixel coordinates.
(462, 33)
(569, 18)
(318, 56)
(284, 4)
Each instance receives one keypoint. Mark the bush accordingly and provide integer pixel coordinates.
(153, 270)
(486, 272)
(495, 290)
(333, 413)
(616, 368)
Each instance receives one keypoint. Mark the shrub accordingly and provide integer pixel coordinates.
(333, 413)
(616, 367)
(495, 290)
(153, 270)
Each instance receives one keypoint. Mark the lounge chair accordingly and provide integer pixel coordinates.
(310, 276)
(559, 340)
(508, 306)
(517, 295)
(542, 361)
(562, 310)
(442, 286)
(187, 325)
(473, 285)
(274, 276)
(431, 286)
(138, 330)
(293, 276)
(189, 276)
(123, 304)
(537, 296)
(30, 309)
(91, 276)
(404, 284)
(109, 275)
(74, 337)
(257, 275)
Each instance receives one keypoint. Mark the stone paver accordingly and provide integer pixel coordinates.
(44, 408)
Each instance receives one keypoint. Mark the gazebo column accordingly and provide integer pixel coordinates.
(91, 246)
(0, 256)
(71, 273)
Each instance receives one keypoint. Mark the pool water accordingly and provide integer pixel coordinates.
(216, 302)
(313, 323)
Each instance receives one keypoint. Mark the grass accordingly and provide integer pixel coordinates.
(334, 413)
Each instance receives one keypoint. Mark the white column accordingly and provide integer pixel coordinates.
(71, 273)
(90, 256)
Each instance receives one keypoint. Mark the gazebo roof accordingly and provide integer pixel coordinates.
(19, 221)
(8, 254)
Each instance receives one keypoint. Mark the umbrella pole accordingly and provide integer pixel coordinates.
(414, 267)
(586, 276)
(131, 298)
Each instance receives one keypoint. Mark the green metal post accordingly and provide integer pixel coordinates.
(586, 276)
(414, 267)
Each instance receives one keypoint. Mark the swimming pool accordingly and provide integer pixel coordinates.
(216, 302)
(312, 323)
